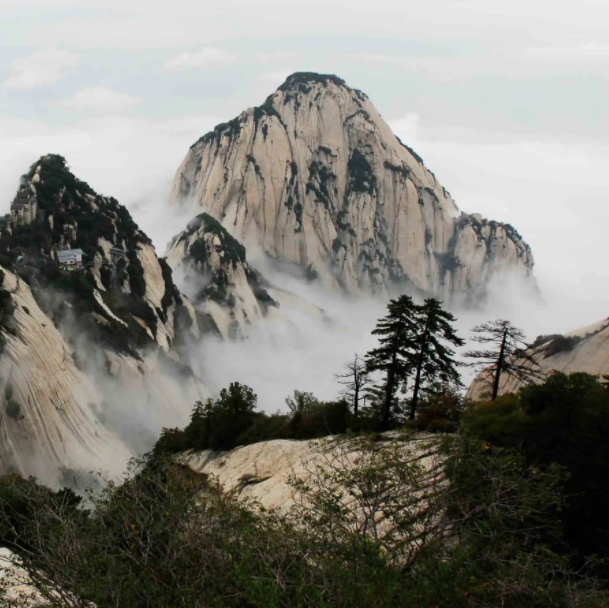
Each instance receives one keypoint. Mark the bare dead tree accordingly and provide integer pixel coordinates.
(508, 354)
(355, 380)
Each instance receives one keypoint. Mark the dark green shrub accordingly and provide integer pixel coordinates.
(565, 420)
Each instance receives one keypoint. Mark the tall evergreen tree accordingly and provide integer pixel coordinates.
(508, 355)
(393, 356)
(432, 360)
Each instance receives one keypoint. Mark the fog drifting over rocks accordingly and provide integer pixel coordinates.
(134, 160)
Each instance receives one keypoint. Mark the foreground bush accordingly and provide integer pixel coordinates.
(565, 420)
(480, 534)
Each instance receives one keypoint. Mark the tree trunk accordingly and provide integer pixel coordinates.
(499, 366)
(356, 397)
(417, 381)
(388, 395)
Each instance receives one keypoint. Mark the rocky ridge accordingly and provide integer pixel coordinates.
(93, 359)
(316, 178)
(228, 294)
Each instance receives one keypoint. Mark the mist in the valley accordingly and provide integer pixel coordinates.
(301, 349)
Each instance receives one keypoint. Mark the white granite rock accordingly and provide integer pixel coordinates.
(315, 177)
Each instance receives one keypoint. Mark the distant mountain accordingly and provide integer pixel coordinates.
(316, 178)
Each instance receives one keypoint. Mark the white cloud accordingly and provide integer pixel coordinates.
(204, 58)
(278, 77)
(100, 99)
(273, 56)
(407, 129)
(587, 51)
(380, 58)
(552, 191)
(40, 69)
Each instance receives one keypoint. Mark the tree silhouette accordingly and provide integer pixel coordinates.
(431, 359)
(508, 355)
(355, 379)
(393, 356)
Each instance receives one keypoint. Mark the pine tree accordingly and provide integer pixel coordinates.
(393, 356)
(432, 360)
(509, 354)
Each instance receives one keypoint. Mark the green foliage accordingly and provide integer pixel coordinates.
(361, 175)
(432, 360)
(561, 344)
(506, 354)
(447, 262)
(392, 357)
(565, 420)
(320, 178)
(412, 152)
(232, 420)
(305, 78)
(440, 410)
(230, 129)
(234, 251)
(310, 273)
(13, 410)
(399, 169)
(61, 196)
(311, 418)
(413, 345)
(383, 524)
(7, 310)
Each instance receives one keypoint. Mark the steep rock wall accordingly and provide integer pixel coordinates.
(95, 358)
(48, 407)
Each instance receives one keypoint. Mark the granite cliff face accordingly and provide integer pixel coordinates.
(315, 177)
(582, 350)
(93, 357)
(228, 294)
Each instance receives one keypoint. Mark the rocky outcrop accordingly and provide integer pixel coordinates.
(315, 177)
(93, 356)
(16, 586)
(582, 350)
(262, 471)
(228, 293)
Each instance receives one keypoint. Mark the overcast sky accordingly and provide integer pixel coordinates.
(505, 101)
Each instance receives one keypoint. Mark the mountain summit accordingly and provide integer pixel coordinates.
(315, 177)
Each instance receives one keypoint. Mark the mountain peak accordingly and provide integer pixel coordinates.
(298, 79)
(315, 177)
